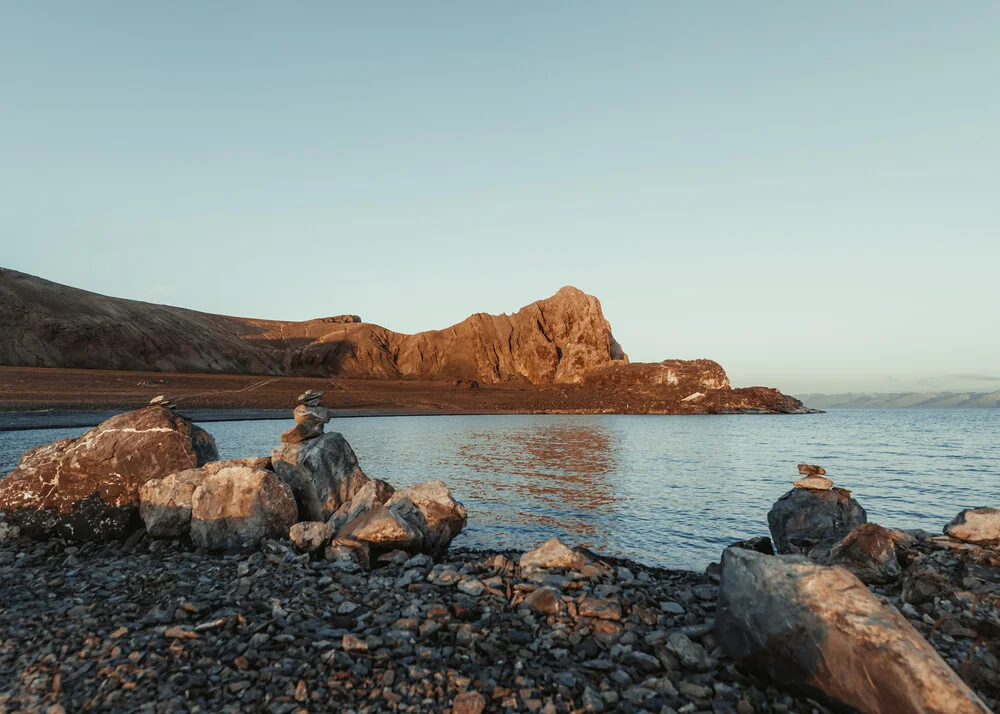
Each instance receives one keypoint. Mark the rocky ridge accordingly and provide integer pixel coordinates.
(564, 339)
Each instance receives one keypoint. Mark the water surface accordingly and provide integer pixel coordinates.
(669, 491)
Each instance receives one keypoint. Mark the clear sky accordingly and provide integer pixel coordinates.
(808, 193)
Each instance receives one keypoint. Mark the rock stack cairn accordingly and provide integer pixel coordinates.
(162, 401)
(310, 417)
(813, 477)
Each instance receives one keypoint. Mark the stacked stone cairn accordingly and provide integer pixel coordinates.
(310, 417)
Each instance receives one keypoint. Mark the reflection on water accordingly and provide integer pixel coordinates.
(559, 472)
(669, 491)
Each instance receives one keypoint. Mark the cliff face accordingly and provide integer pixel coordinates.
(44, 324)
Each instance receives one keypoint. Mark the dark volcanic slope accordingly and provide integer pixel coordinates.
(44, 324)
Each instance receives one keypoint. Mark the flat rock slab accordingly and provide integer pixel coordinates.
(976, 525)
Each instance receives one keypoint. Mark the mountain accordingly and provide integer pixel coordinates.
(904, 400)
(564, 339)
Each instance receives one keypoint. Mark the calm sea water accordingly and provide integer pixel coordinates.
(668, 491)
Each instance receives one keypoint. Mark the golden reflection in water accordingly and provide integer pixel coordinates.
(555, 474)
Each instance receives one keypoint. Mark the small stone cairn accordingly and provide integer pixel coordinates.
(813, 477)
(162, 401)
(310, 417)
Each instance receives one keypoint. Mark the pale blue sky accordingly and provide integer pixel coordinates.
(808, 193)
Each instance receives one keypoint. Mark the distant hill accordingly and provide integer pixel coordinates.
(904, 400)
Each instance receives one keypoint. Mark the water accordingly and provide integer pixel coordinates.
(669, 491)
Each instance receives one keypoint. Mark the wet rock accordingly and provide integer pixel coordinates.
(976, 525)
(237, 507)
(310, 536)
(323, 473)
(869, 551)
(376, 491)
(820, 629)
(88, 488)
(433, 511)
(803, 519)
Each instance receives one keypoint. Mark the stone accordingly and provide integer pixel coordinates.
(604, 609)
(323, 473)
(820, 629)
(8, 532)
(803, 519)
(349, 550)
(553, 553)
(384, 531)
(976, 525)
(433, 511)
(810, 470)
(373, 492)
(471, 586)
(691, 654)
(869, 551)
(922, 583)
(311, 397)
(310, 536)
(817, 483)
(165, 503)
(305, 414)
(469, 703)
(545, 600)
(237, 507)
(303, 431)
(88, 488)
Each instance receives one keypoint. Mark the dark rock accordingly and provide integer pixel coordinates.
(323, 473)
(88, 488)
(820, 629)
(803, 519)
(759, 544)
(869, 551)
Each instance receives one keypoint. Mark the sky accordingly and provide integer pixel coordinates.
(808, 193)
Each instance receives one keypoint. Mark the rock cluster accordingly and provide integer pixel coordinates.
(922, 634)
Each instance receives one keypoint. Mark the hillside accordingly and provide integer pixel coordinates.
(904, 400)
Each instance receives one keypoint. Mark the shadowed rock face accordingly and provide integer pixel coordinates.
(805, 519)
(88, 488)
(820, 629)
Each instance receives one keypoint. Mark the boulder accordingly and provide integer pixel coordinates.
(976, 525)
(323, 473)
(819, 630)
(165, 503)
(869, 551)
(88, 488)
(435, 513)
(803, 519)
(384, 530)
(375, 491)
(237, 507)
(310, 536)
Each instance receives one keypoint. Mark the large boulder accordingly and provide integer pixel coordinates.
(976, 525)
(819, 629)
(237, 507)
(869, 551)
(376, 491)
(88, 488)
(430, 506)
(165, 503)
(804, 519)
(424, 518)
(323, 473)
